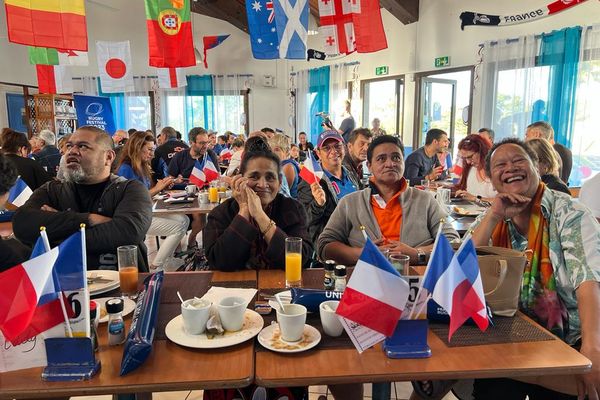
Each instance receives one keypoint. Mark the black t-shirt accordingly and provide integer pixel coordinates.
(303, 152)
(183, 163)
(167, 150)
(566, 158)
(555, 183)
(88, 196)
(12, 252)
(30, 171)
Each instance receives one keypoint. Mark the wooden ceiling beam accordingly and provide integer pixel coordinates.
(407, 11)
(232, 11)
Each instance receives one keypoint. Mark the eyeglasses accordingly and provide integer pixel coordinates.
(202, 144)
(337, 147)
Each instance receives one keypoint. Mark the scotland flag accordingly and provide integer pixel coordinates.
(263, 32)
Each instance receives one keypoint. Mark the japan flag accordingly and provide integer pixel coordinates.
(114, 65)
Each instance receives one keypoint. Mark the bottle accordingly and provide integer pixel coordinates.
(93, 334)
(340, 278)
(116, 325)
(329, 279)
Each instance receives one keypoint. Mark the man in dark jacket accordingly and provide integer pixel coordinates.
(116, 211)
(320, 200)
(169, 145)
(49, 155)
(16, 148)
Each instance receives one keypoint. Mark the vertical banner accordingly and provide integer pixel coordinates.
(95, 111)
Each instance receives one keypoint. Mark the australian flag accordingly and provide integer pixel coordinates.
(278, 28)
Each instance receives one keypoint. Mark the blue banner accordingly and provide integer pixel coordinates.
(95, 111)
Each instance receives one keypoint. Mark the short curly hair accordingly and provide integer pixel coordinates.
(488, 160)
(8, 174)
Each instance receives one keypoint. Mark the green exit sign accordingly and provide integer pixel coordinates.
(442, 61)
(383, 70)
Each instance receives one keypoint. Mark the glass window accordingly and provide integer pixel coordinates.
(382, 99)
(139, 111)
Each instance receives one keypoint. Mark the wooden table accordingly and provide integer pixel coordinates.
(332, 366)
(170, 366)
(186, 208)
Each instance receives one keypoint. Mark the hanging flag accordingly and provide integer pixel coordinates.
(311, 170)
(291, 23)
(376, 294)
(210, 42)
(114, 64)
(349, 26)
(226, 154)
(263, 32)
(50, 56)
(19, 193)
(317, 55)
(170, 41)
(171, 78)
(469, 18)
(456, 285)
(204, 172)
(55, 79)
(58, 23)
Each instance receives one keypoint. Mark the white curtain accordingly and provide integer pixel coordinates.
(339, 77)
(512, 87)
(86, 85)
(228, 103)
(300, 85)
(172, 106)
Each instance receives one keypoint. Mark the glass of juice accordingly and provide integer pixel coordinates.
(213, 192)
(128, 269)
(293, 262)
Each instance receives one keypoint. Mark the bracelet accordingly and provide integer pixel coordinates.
(268, 228)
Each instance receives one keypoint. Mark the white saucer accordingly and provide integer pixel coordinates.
(253, 323)
(128, 307)
(271, 339)
(102, 281)
(286, 298)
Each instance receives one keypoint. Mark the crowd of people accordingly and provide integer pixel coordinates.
(108, 182)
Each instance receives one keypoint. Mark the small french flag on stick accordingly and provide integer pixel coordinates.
(204, 172)
(19, 193)
(226, 154)
(376, 294)
(311, 170)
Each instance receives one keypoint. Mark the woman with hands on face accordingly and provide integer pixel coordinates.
(248, 231)
(560, 283)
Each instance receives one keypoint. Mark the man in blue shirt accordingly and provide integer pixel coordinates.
(423, 163)
(320, 199)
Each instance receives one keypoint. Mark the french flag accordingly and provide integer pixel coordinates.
(455, 284)
(226, 154)
(204, 172)
(19, 193)
(311, 170)
(376, 294)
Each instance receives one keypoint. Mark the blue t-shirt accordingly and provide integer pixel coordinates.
(294, 187)
(126, 171)
(342, 186)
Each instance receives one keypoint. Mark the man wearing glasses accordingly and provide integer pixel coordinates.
(320, 199)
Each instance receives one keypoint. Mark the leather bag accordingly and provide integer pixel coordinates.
(502, 276)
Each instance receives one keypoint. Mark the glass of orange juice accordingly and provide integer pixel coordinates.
(293, 262)
(128, 269)
(213, 192)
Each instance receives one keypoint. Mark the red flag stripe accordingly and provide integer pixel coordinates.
(17, 302)
(368, 311)
(339, 19)
(46, 79)
(173, 77)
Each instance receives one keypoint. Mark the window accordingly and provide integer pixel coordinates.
(383, 99)
(138, 112)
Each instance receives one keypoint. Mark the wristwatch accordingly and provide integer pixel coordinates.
(421, 256)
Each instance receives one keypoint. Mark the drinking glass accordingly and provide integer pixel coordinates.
(293, 262)
(213, 192)
(128, 269)
(401, 263)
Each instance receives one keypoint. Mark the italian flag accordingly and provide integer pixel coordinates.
(54, 79)
(170, 42)
(50, 56)
(59, 24)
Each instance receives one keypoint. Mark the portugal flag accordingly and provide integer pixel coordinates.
(170, 41)
(58, 24)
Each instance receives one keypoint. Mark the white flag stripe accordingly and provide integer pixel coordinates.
(326, 8)
(63, 79)
(80, 59)
(446, 284)
(22, 197)
(39, 270)
(379, 284)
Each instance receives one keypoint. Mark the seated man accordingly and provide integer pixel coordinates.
(397, 217)
(16, 148)
(560, 284)
(423, 163)
(357, 145)
(116, 211)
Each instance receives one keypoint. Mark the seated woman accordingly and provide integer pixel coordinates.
(474, 184)
(560, 284)
(548, 164)
(398, 217)
(249, 230)
(134, 163)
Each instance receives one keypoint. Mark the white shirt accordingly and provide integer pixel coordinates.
(589, 195)
(477, 187)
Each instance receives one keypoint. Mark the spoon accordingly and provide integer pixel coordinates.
(180, 298)
(281, 309)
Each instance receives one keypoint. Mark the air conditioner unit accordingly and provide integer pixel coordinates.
(268, 81)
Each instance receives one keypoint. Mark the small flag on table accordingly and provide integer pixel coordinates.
(204, 172)
(226, 154)
(311, 170)
(19, 193)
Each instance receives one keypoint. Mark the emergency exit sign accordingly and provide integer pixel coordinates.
(442, 61)
(383, 70)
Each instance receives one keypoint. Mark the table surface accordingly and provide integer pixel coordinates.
(187, 208)
(341, 365)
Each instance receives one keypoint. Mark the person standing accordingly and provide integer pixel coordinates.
(348, 124)
(376, 130)
(423, 163)
(305, 146)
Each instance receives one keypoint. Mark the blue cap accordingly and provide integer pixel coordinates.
(329, 134)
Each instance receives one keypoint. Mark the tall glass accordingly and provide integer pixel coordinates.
(128, 269)
(293, 262)
(400, 262)
(213, 192)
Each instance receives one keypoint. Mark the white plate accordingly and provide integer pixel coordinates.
(271, 339)
(103, 287)
(286, 298)
(467, 211)
(253, 323)
(128, 308)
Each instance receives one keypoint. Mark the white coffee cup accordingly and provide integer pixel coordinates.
(329, 319)
(231, 311)
(191, 190)
(195, 313)
(291, 322)
(203, 198)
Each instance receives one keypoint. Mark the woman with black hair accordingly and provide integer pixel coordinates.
(248, 231)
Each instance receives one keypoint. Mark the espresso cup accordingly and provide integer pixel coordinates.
(329, 319)
(191, 190)
(195, 313)
(231, 311)
(291, 322)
